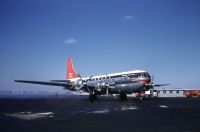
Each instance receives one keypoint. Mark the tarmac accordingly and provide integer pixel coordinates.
(76, 113)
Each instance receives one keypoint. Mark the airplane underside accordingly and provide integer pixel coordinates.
(122, 96)
(121, 91)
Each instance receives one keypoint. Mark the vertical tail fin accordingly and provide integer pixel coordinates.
(70, 70)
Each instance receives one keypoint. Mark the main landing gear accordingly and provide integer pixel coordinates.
(123, 97)
(140, 96)
(92, 97)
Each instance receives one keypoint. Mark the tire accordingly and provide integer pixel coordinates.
(123, 97)
(92, 97)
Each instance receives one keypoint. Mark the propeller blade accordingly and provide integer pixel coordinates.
(81, 87)
(80, 76)
(89, 78)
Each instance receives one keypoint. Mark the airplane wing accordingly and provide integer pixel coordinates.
(159, 85)
(59, 80)
(64, 84)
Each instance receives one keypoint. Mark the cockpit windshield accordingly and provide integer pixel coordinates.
(146, 74)
(136, 75)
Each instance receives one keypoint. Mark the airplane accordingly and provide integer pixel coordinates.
(122, 83)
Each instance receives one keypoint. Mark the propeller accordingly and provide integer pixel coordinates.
(156, 85)
(81, 83)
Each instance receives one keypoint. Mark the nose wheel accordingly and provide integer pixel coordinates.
(141, 98)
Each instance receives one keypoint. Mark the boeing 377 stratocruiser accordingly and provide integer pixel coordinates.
(122, 83)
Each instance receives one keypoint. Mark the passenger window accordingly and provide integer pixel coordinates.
(137, 75)
(142, 75)
(132, 76)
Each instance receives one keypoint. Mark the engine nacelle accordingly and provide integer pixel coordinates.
(78, 84)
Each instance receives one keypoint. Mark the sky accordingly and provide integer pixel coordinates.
(102, 36)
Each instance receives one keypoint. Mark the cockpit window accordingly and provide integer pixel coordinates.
(146, 75)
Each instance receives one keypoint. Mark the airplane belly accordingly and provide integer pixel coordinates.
(127, 88)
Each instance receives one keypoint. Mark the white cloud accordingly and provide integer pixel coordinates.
(71, 41)
(129, 17)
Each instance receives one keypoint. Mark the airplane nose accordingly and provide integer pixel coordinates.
(147, 81)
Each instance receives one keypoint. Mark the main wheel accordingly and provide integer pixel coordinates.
(123, 97)
(92, 97)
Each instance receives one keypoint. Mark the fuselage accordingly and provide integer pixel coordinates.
(122, 82)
